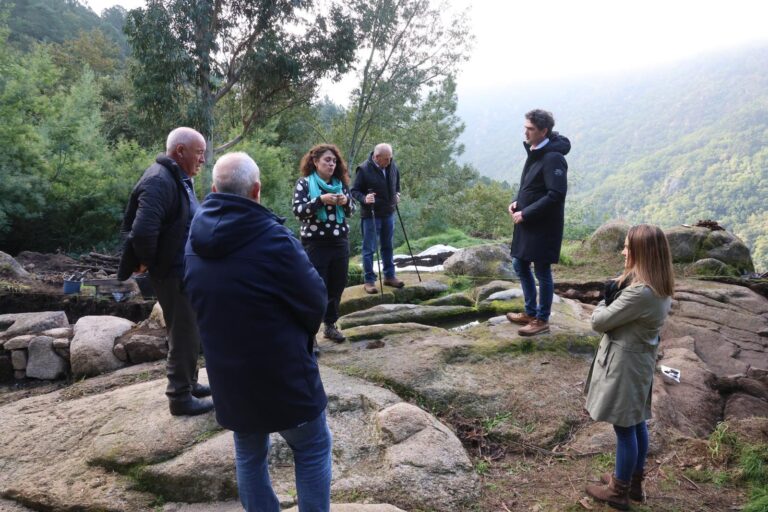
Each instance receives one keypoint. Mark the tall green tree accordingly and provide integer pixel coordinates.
(268, 54)
(404, 46)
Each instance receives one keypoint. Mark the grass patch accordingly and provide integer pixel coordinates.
(460, 284)
(722, 443)
(604, 462)
(758, 500)
(568, 253)
(708, 475)
(753, 462)
(482, 467)
(564, 343)
(453, 237)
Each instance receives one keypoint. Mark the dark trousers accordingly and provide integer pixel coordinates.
(331, 262)
(183, 336)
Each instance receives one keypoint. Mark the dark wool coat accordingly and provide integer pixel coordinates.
(156, 220)
(259, 302)
(541, 198)
(368, 178)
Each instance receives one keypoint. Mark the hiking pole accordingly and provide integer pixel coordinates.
(376, 245)
(413, 260)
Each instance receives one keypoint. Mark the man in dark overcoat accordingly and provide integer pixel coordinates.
(155, 226)
(538, 212)
(259, 303)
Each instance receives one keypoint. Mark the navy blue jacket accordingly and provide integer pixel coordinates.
(541, 198)
(259, 304)
(369, 178)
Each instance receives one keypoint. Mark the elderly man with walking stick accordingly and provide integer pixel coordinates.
(377, 189)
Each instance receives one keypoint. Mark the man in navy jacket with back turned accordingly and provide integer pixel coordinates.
(259, 304)
(539, 215)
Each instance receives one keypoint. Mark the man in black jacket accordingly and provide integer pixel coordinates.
(156, 225)
(538, 213)
(377, 189)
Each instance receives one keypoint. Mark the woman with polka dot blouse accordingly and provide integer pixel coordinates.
(322, 203)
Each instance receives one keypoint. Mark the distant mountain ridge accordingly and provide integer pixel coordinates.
(56, 21)
(675, 145)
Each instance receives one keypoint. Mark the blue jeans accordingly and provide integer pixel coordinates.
(385, 226)
(631, 450)
(311, 444)
(543, 273)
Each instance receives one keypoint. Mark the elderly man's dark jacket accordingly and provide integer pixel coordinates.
(259, 304)
(155, 221)
(541, 198)
(369, 178)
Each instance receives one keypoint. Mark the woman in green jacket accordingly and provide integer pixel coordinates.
(621, 377)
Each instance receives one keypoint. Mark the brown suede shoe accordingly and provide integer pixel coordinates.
(370, 288)
(636, 491)
(520, 318)
(614, 494)
(393, 282)
(534, 327)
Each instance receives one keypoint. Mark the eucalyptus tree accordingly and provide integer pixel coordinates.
(403, 47)
(268, 54)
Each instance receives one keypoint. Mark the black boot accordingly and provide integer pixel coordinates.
(332, 333)
(200, 390)
(190, 406)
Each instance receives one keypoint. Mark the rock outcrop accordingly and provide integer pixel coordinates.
(483, 261)
(92, 348)
(691, 244)
(120, 449)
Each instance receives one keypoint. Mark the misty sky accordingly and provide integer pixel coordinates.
(524, 42)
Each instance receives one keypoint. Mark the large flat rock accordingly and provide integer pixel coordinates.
(120, 449)
(531, 385)
(724, 322)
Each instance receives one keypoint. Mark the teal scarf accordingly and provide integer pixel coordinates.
(316, 188)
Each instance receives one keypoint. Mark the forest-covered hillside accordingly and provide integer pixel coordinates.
(670, 145)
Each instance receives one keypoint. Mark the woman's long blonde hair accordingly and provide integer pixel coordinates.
(649, 260)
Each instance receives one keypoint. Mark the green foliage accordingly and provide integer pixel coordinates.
(270, 55)
(406, 45)
(57, 21)
(722, 442)
(355, 275)
(753, 461)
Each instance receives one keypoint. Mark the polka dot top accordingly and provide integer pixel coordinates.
(312, 228)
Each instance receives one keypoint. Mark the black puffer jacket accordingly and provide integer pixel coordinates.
(369, 178)
(541, 198)
(156, 220)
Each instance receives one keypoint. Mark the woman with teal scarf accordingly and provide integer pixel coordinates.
(322, 203)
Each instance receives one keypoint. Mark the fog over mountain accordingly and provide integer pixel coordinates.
(670, 145)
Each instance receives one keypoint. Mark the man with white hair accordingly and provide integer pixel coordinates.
(259, 302)
(377, 189)
(155, 228)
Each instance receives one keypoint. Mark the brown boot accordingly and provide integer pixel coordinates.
(520, 318)
(534, 327)
(636, 491)
(393, 282)
(614, 494)
(370, 288)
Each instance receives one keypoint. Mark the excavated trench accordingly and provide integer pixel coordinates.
(75, 306)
